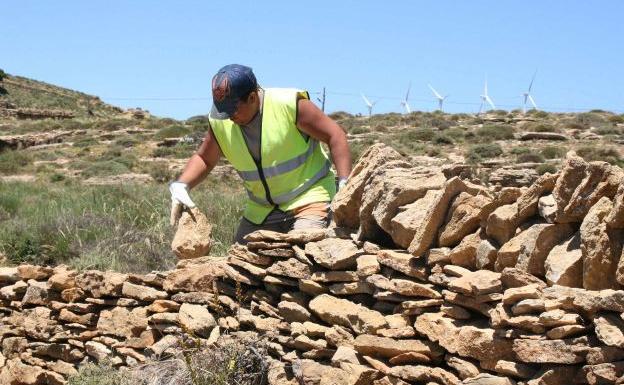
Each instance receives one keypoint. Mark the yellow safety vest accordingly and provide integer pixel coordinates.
(293, 170)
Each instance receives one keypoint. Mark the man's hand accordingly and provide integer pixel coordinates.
(341, 183)
(179, 199)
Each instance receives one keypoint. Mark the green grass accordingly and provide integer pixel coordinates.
(12, 162)
(99, 374)
(545, 167)
(553, 152)
(124, 228)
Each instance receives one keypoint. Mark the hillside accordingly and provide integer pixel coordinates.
(20, 93)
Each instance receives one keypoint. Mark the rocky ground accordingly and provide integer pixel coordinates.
(426, 278)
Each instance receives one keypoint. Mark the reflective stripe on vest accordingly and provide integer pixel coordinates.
(281, 168)
(283, 198)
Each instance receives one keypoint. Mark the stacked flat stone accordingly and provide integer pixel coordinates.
(425, 280)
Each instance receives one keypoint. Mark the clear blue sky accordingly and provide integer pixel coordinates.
(161, 55)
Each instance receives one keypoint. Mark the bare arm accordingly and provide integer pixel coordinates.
(202, 162)
(315, 123)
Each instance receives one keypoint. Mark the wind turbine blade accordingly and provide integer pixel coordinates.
(408, 90)
(532, 79)
(437, 95)
(532, 102)
(487, 98)
(368, 103)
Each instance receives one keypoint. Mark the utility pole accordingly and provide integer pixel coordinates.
(322, 100)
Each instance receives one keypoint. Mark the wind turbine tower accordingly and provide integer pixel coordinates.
(369, 105)
(405, 103)
(439, 97)
(527, 96)
(485, 98)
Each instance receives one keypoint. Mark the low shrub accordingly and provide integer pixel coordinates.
(546, 167)
(553, 152)
(172, 131)
(530, 157)
(608, 130)
(440, 138)
(485, 150)
(605, 154)
(85, 142)
(495, 132)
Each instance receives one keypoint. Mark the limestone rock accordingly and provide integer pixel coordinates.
(564, 264)
(464, 217)
(101, 284)
(291, 268)
(388, 347)
(403, 286)
(142, 293)
(549, 351)
(293, 312)
(37, 273)
(400, 187)
(346, 313)
(403, 262)
(610, 329)
(502, 223)
(346, 204)
(122, 322)
(528, 250)
(422, 374)
(466, 341)
(15, 372)
(334, 253)
(512, 277)
(477, 283)
(193, 235)
(195, 278)
(410, 217)
(196, 319)
(297, 237)
(547, 208)
(528, 202)
(488, 379)
(486, 255)
(465, 253)
(615, 219)
(581, 185)
(600, 251)
(426, 234)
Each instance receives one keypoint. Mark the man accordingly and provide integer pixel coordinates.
(271, 137)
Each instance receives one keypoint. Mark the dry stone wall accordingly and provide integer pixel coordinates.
(424, 280)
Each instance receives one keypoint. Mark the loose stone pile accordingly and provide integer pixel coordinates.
(424, 280)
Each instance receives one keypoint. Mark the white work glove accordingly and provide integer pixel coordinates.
(341, 183)
(180, 198)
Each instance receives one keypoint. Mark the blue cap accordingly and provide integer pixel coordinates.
(228, 86)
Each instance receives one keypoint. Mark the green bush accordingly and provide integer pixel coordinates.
(418, 134)
(12, 161)
(530, 158)
(2, 75)
(495, 132)
(442, 139)
(126, 141)
(485, 150)
(546, 167)
(179, 151)
(359, 130)
(456, 133)
(543, 127)
(553, 152)
(616, 119)
(605, 154)
(172, 131)
(608, 130)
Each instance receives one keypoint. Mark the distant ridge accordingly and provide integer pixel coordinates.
(25, 93)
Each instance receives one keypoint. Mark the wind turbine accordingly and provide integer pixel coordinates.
(485, 98)
(527, 95)
(405, 103)
(439, 97)
(369, 105)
